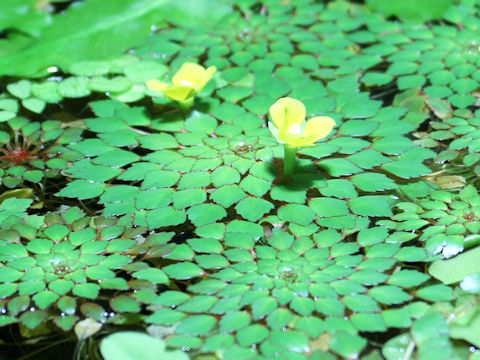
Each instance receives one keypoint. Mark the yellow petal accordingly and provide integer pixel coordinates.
(287, 111)
(294, 110)
(299, 141)
(177, 93)
(277, 113)
(189, 74)
(319, 127)
(156, 85)
(207, 75)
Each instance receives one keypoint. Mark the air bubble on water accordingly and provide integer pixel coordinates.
(3, 311)
(32, 309)
(185, 348)
(52, 69)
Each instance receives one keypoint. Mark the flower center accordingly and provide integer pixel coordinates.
(294, 129)
(186, 83)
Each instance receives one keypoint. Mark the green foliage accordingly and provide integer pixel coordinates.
(193, 231)
(85, 34)
(129, 345)
(446, 223)
(423, 10)
(23, 16)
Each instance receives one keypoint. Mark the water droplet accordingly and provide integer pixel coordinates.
(52, 69)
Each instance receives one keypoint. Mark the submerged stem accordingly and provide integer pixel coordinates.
(289, 159)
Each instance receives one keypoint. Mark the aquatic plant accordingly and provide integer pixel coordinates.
(236, 229)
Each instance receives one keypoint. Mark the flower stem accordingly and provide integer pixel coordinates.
(289, 159)
(187, 103)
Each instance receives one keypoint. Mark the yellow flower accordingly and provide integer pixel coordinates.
(290, 128)
(189, 80)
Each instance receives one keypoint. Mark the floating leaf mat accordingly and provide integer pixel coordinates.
(124, 209)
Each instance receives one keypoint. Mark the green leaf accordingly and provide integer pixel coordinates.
(346, 344)
(339, 167)
(302, 305)
(166, 216)
(24, 16)
(89, 291)
(455, 270)
(182, 271)
(431, 336)
(255, 186)
(360, 303)
(196, 325)
(20, 89)
(8, 274)
(82, 189)
(45, 298)
(294, 341)
(407, 278)
(389, 294)
(204, 214)
(407, 168)
(279, 318)
(435, 293)
(372, 205)
(153, 275)
(224, 175)
(471, 283)
(295, 213)
(252, 208)
(130, 345)
(228, 195)
(368, 322)
(66, 39)
(190, 13)
(32, 319)
(253, 334)
(373, 182)
(327, 207)
(234, 321)
(395, 348)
